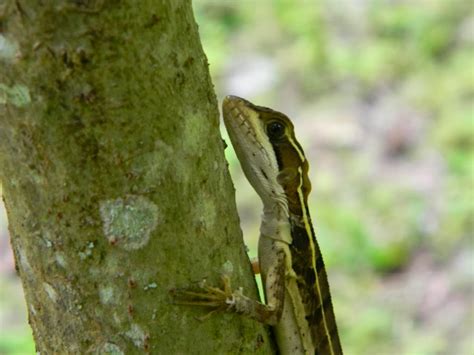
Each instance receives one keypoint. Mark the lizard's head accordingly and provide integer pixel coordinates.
(268, 151)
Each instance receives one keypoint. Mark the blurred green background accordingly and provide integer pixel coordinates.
(381, 94)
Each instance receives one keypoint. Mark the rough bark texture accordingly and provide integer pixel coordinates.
(114, 178)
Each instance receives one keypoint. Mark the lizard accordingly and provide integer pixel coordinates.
(298, 302)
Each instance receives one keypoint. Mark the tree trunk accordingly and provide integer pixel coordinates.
(114, 178)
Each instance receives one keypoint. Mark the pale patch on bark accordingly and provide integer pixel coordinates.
(32, 310)
(60, 260)
(128, 222)
(107, 295)
(110, 348)
(52, 294)
(25, 264)
(18, 95)
(8, 48)
(137, 335)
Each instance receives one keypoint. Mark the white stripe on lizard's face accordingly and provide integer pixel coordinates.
(254, 151)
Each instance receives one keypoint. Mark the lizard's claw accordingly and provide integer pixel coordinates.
(213, 297)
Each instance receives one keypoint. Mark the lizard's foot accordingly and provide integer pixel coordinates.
(220, 299)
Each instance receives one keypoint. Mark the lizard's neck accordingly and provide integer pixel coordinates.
(275, 222)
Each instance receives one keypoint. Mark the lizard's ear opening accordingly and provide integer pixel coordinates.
(286, 176)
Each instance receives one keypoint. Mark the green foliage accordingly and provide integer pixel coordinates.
(367, 232)
(17, 343)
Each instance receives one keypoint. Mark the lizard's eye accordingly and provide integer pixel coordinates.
(275, 129)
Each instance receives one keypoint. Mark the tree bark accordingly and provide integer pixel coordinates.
(114, 178)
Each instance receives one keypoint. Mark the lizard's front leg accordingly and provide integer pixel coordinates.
(226, 299)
